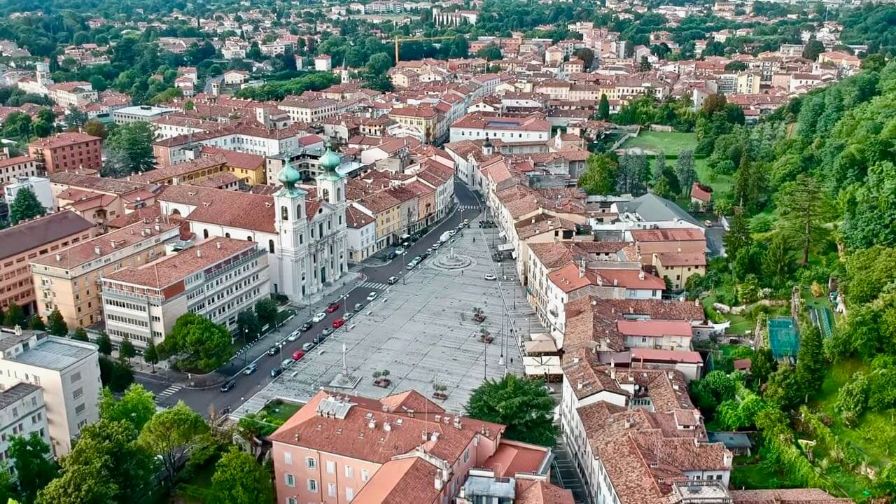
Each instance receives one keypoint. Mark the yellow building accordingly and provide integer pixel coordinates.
(69, 280)
(247, 167)
(387, 210)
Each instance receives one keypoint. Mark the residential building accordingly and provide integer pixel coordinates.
(22, 413)
(139, 113)
(217, 279)
(67, 151)
(67, 370)
(479, 126)
(360, 234)
(70, 279)
(26, 241)
(38, 185)
(14, 168)
(328, 452)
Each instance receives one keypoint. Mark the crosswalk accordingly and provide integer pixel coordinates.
(468, 207)
(375, 285)
(168, 392)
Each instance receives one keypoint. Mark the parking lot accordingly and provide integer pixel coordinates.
(422, 331)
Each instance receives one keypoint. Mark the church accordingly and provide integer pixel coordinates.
(303, 228)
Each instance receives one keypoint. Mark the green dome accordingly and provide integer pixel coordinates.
(330, 161)
(289, 176)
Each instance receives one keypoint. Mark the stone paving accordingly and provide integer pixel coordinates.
(421, 330)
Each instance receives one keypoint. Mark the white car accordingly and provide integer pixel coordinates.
(372, 296)
(490, 277)
(317, 318)
(293, 336)
(399, 251)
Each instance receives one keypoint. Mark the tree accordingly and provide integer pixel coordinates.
(239, 479)
(685, 171)
(106, 465)
(738, 236)
(114, 374)
(714, 389)
(379, 64)
(80, 334)
(33, 464)
(201, 344)
(776, 263)
(104, 343)
(490, 52)
(804, 210)
(586, 55)
(136, 406)
(25, 206)
(126, 350)
(35, 323)
(172, 434)
(247, 325)
(810, 362)
(151, 354)
(75, 117)
(600, 174)
(644, 65)
(633, 172)
(266, 309)
(95, 128)
(812, 49)
(130, 149)
(659, 166)
(14, 316)
(6, 486)
(522, 405)
(56, 324)
(603, 108)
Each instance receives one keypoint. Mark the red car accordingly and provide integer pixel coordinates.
(298, 355)
(338, 323)
(332, 307)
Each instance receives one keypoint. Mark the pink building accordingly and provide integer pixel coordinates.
(400, 449)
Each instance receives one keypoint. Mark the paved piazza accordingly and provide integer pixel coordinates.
(422, 331)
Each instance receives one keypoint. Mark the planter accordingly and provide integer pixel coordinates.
(486, 339)
(382, 382)
(479, 318)
(441, 396)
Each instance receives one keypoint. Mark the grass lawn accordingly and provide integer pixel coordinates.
(751, 473)
(670, 143)
(278, 412)
(197, 490)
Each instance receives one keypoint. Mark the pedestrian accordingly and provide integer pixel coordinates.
(474, 239)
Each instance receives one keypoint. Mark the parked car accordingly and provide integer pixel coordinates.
(318, 317)
(359, 307)
(273, 350)
(372, 296)
(490, 277)
(286, 363)
(277, 371)
(411, 265)
(306, 326)
(297, 355)
(332, 307)
(399, 251)
(391, 255)
(392, 280)
(338, 323)
(251, 368)
(293, 336)
(326, 332)
(307, 346)
(228, 386)
(348, 315)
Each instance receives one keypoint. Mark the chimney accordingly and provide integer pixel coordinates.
(434, 437)
(579, 386)
(438, 481)
(387, 426)
(158, 228)
(371, 424)
(198, 253)
(59, 257)
(641, 275)
(218, 245)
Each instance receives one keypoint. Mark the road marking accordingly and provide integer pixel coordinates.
(170, 391)
(374, 285)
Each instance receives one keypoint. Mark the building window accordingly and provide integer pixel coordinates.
(365, 475)
(290, 480)
(349, 493)
(331, 489)
(349, 471)
(287, 458)
(205, 233)
(284, 213)
(312, 463)
(312, 485)
(270, 246)
(331, 467)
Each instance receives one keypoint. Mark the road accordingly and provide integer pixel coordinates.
(376, 277)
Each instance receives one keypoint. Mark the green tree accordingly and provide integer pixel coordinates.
(75, 117)
(685, 171)
(247, 325)
(25, 206)
(644, 65)
(379, 64)
(738, 236)
(33, 464)
(172, 434)
(490, 52)
(95, 128)
(239, 479)
(104, 343)
(812, 49)
(136, 406)
(129, 149)
(522, 405)
(811, 362)
(56, 324)
(151, 354)
(603, 108)
(14, 316)
(714, 389)
(869, 272)
(776, 263)
(126, 350)
(601, 173)
(105, 466)
(804, 209)
(633, 174)
(200, 343)
(266, 310)
(6, 486)
(35, 323)
(80, 334)
(114, 374)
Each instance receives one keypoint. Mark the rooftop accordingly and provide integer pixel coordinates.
(56, 353)
(16, 393)
(104, 245)
(32, 234)
(63, 139)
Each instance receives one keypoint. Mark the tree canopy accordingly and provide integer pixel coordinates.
(523, 405)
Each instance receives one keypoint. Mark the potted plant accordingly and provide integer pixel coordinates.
(478, 316)
(485, 336)
(440, 392)
(380, 378)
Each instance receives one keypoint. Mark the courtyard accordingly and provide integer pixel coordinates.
(422, 331)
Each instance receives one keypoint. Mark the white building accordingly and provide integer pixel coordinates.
(67, 370)
(41, 188)
(323, 63)
(12, 169)
(22, 413)
(140, 113)
(218, 279)
(478, 126)
(360, 234)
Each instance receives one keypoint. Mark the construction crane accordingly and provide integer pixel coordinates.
(399, 40)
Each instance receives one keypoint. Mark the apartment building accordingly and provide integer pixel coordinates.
(68, 151)
(38, 185)
(479, 126)
(14, 168)
(29, 240)
(139, 113)
(22, 413)
(310, 110)
(217, 278)
(70, 279)
(67, 370)
(328, 452)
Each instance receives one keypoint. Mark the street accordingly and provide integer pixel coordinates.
(374, 279)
